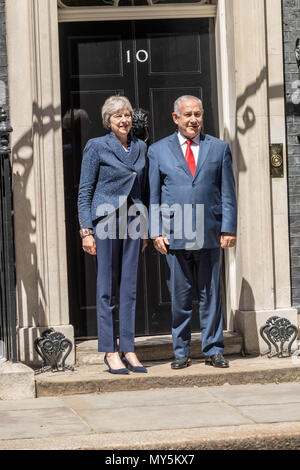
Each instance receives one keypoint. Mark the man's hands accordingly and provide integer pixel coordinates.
(160, 244)
(227, 240)
(89, 245)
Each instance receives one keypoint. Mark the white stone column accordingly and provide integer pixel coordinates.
(258, 272)
(227, 126)
(34, 87)
(279, 193)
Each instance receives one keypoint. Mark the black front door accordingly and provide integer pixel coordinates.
(152, 63)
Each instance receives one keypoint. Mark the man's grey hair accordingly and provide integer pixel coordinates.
(179, 100)
(112, 105)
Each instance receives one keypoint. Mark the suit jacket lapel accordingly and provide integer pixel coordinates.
(203, 153)
(134, 151)
(177, 151)
(118, 151)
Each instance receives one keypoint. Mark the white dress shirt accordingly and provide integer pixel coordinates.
(195, 145)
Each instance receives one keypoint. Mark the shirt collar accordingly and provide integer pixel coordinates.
(182, 139)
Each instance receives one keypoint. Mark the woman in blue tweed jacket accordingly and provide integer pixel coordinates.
(112, 183)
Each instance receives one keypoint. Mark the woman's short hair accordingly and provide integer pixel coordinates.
(112, 105)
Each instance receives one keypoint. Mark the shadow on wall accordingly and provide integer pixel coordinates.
(245, 297)
(31, 291)
(248, 323)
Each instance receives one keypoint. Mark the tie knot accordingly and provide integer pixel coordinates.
(189, 143)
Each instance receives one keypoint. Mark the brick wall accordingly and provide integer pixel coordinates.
(291, 31)
(3, 56)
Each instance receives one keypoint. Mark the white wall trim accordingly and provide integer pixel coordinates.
(137, 12)
(226, 101)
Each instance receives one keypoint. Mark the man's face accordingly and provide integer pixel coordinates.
(190, 120)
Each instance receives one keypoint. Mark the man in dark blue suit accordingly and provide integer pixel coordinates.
(191, 180)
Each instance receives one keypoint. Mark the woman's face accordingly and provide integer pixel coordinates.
(120, 123)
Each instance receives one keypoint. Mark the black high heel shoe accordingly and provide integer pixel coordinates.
(131, 367)
(115, 371)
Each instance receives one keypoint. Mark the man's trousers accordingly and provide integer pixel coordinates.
(181, 266)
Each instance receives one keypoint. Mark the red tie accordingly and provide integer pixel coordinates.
(189, 156)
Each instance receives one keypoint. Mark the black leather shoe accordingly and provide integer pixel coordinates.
(217, 360)
(181, 362)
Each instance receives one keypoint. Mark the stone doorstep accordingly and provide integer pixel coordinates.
(91, 375)
(97, 379)
(156, 348)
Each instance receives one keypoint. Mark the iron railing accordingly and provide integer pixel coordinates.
(8, 323)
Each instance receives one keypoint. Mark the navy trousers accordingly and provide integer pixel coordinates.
(117, 266)
(181, 266)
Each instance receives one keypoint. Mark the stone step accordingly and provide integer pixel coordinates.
(96, 378)
(156, 348)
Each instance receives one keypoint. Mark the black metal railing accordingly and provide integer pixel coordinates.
(8, 324)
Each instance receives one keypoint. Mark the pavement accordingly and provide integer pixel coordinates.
(184, 417)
